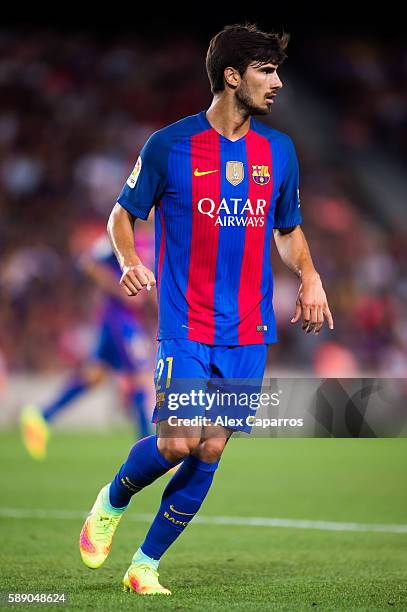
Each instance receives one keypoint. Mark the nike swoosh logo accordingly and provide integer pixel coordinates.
(178, 512)
(198, 173)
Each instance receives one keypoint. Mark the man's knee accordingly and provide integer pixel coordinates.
(210, 450)
(176, 449)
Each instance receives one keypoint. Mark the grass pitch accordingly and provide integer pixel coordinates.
(215, 567)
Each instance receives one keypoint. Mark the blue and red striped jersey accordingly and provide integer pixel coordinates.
(216, 204)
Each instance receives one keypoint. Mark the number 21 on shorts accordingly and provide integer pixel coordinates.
(159, 372)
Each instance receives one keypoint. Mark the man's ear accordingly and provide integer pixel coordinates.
(232, 77)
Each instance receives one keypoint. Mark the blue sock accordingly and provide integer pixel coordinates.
(74, 387)
(181, 500)
(139, 413)
(144, 464)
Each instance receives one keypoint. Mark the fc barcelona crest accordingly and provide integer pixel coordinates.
(234, 172)
(260, 174)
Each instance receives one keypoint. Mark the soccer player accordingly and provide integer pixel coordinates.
(222, 184)
(122, 348)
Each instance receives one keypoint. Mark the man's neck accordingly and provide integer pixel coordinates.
(227, 119)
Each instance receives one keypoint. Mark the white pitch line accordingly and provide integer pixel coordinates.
(241, 521)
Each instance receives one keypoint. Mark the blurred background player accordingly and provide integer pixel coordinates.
(122, 348)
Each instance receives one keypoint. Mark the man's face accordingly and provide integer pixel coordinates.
(258, 87)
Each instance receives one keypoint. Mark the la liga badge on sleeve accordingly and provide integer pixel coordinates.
(132, 180)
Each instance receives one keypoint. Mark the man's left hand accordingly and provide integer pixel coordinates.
(312, 304)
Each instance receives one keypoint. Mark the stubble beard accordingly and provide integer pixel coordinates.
(246, 105)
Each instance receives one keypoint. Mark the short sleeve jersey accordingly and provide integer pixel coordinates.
(216, 204)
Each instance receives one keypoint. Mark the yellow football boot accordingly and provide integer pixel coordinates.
(95, 540)
(141, 578)
(35, 432)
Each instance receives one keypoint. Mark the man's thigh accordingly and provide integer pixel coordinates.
(237, 375)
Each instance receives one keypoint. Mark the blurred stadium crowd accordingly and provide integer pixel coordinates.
(365, 81)
(74, 114)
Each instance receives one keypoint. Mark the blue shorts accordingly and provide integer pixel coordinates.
(122, 345)
(224, 372)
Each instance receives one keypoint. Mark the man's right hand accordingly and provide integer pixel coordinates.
(136, 278)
